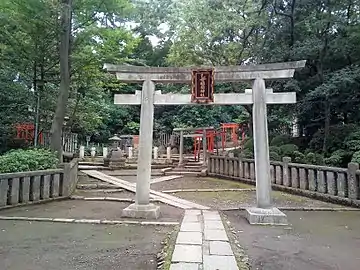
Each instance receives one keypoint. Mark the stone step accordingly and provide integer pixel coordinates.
(193, 165)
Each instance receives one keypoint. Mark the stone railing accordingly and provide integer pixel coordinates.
(329, 183)
(37, 186)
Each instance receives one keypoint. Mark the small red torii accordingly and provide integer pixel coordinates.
(26, 131)
(235, 129)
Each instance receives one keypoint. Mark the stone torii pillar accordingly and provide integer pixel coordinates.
(264, 213)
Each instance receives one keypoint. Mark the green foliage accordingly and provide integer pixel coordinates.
(314, 158)
(27, 160)
(247, 153)
(275, 149)
(288, 150)
(280, 140)
(274, 156)
(356, 157)
(339, 158)
(298, 157)
(352, 142)
(249, 144)
(335, 140)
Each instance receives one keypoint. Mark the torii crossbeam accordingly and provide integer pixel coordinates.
(259, 97)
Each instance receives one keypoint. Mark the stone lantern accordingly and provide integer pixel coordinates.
(115, 159)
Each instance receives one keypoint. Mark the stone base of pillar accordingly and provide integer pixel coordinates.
(149, 211)
(260, 216)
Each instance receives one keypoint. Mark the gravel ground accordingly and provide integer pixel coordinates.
(314, 241)
(57, 246)
(197, 182)
(236, 199)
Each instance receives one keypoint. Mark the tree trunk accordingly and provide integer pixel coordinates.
(327, 126)
(56, 127)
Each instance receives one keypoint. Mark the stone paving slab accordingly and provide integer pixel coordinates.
(220, 248)
(191, 218)
(187, 253)
(211, 216)
(215, 235)
(189, 238)
(193, 212)
(208, 247)
(165, 178)
(213, 225)
(184, 266)
(165, 198)
(190, 227)
(212, 262)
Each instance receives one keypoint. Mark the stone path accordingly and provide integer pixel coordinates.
(162, 197)
(202, 243)
(166, 178)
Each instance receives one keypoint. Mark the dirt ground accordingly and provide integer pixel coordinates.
(87, 210)
(54, 246)
(197, 182)
(231, 199)
(236, 199)
(314, 241)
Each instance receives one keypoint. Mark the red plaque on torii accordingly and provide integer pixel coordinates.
(202, 90)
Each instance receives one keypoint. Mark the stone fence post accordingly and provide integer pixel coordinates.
(352, 181)
(69, 178)
(105, 152)
(156, 153)
(82, 152)
(93, 152)
(168, 153)
(286, 173)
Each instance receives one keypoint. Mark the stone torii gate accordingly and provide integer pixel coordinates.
(203, 83)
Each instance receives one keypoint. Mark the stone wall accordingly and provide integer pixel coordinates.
(338, 185)
(37, 186)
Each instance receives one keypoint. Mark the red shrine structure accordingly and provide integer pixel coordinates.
(26, 132)
(229, 132)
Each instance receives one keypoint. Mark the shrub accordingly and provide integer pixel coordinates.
(298, 157)
(274, 156)
(356, 157)
(247, 153)
(338, 159)
(280, 140)
(353, 145)
(236, 152)
(275, 149)
(249, 144)
(314, 158)
(288, 150)
(335, 140)
(28, 160)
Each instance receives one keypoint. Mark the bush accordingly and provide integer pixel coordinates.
(356, 157)
(247, 153)
(280, 140)
(274, 156)
(298, 157)
(275, 149)
(28, 160)
(336, 138)
(288, 150)
(338, 159)
(314, 158)
(249, 144)
(236, 152)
